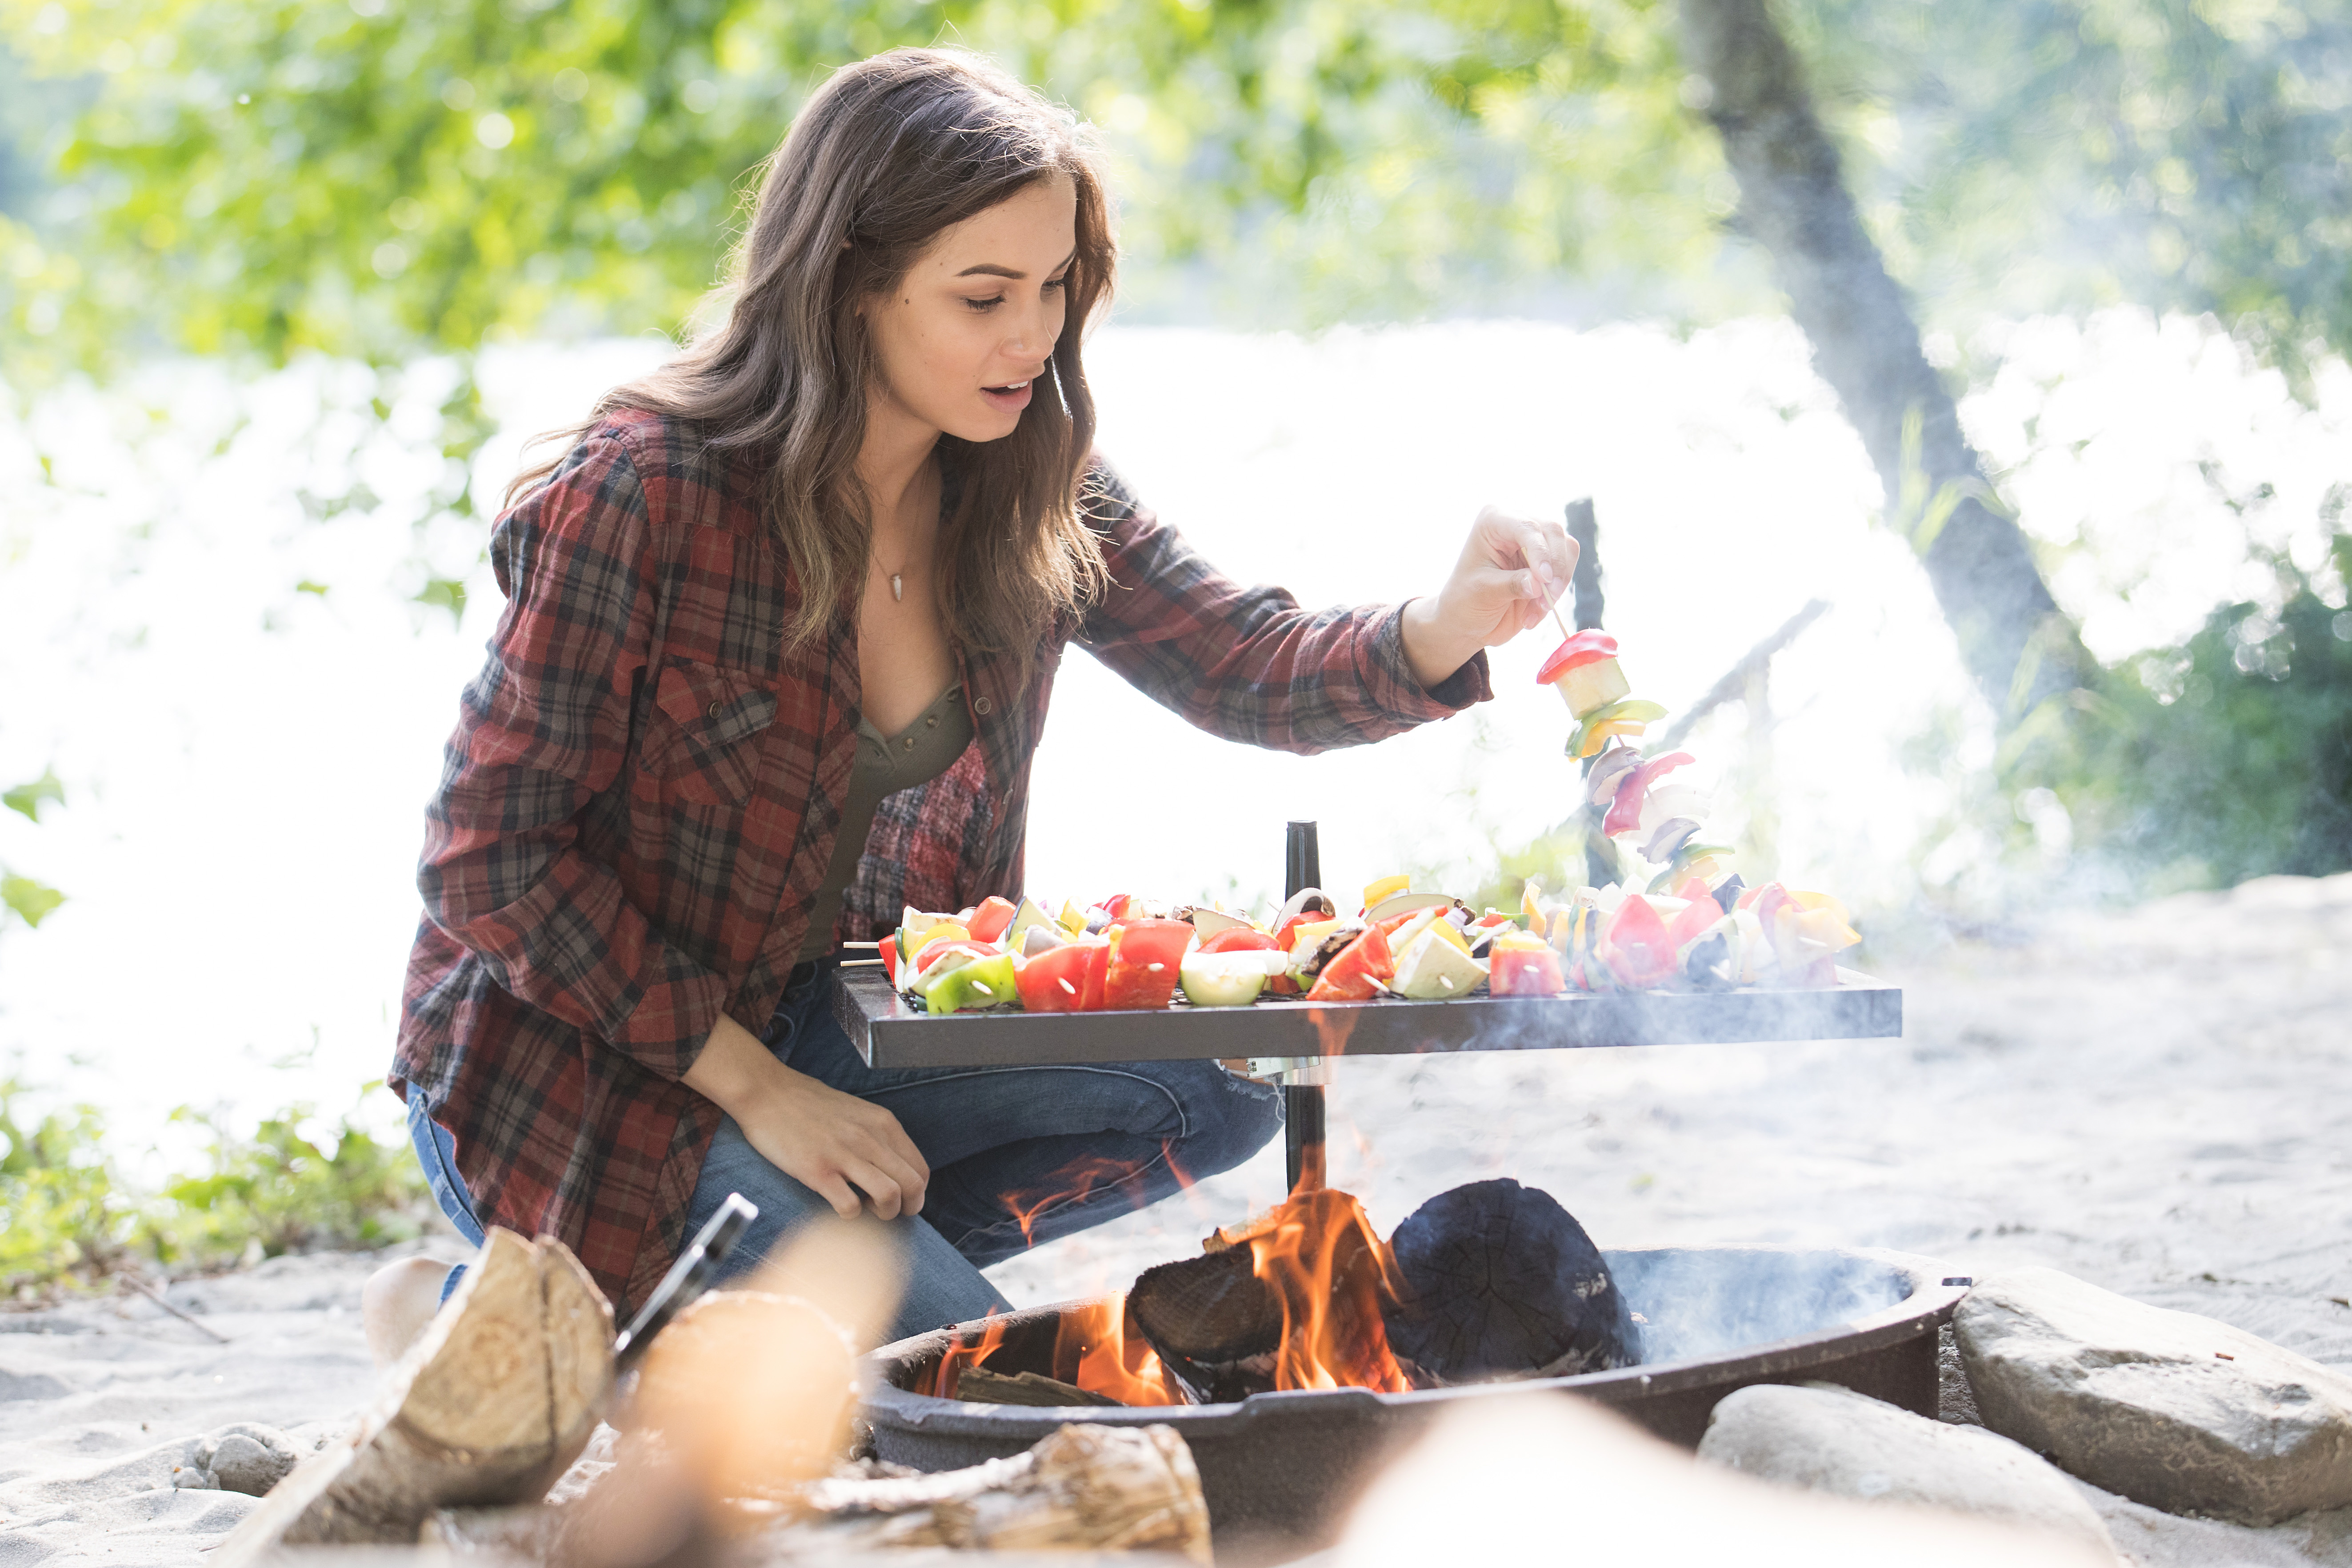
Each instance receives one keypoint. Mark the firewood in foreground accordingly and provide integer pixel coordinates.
(1082, 1489)
(495, 1399)
(1110, 1488)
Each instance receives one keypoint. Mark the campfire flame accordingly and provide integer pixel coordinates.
(1331, 1272)
(1317, 1253)
(1080, 1179)
(1095, 1347)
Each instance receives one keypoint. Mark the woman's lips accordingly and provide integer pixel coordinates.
(1012, 399)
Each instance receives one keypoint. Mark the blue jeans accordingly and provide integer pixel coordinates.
(1018, 1155)
(437, 1151)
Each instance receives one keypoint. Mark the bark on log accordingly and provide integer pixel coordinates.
(1099, 1488)
(1110, 1488)
(495, 1399)
(1792, 200)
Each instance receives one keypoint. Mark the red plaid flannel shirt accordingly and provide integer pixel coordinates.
(641, 796)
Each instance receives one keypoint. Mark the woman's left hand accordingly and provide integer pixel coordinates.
(1510, 573)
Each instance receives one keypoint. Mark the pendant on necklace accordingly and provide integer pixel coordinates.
(895, 585)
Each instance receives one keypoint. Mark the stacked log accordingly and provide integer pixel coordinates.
(493, 1401)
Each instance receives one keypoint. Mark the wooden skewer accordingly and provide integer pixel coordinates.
(858, 963)
(861, 945)
(1551, 603)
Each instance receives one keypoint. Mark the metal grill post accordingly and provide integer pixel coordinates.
(1302, 1087)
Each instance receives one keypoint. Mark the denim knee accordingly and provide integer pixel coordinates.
(1227, 1120)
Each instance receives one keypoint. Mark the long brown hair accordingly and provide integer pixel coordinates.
(886, 155)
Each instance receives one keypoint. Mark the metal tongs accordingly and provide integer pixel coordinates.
(687, 1279)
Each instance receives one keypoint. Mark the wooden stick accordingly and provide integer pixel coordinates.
(1551, 602)
(858, 963)
(874, 945)
(1735, 680)
(152, 1295)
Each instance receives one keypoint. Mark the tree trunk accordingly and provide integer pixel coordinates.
(1793, 201)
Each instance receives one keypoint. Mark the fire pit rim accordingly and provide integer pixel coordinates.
(1927, 1305)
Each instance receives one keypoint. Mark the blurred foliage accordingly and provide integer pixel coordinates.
(2226, 758)
(264, 176)
(281, 1191)
(26, 898)
(2061, 154)
(374, 179)
(59, 1214)
(69, 1216)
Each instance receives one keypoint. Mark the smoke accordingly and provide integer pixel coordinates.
(1707, 1301)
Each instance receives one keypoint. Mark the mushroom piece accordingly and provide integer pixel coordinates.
(1299, 902)
(1671, 836)
(1209, 921)
(1609, 771)
(1307, 967)
(1042, 939)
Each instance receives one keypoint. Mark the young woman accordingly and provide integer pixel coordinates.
(780, 628)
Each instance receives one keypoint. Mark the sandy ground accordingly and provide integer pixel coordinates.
(2160, 1102)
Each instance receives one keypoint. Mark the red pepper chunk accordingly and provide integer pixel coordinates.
(1355, 971)
(1525, 972)
(1239, 938)
(1142, 972)
(1637, 947)
(889, 949)
(1059, 979)
(1585, 647)
(1625, 811)
(989, 921)
(1692, 921)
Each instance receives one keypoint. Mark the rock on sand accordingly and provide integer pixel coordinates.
(2169, 1408)
(1829, 1439)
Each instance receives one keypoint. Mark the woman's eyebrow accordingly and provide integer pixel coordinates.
(990, 269)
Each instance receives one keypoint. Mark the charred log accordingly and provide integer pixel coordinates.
(1495, 1280)
(982, 1386)
(1214, 1324)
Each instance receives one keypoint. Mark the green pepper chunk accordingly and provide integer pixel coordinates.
(1629, 709)
(970, 987)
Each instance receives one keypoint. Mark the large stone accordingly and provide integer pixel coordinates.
(1829, 1439)
(2170, 1409)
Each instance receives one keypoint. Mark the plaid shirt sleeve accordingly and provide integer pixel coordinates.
(1247, 663)
(542, 732)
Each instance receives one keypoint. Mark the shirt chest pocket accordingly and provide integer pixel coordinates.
(704, 740)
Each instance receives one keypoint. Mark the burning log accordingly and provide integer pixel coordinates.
(1293, 1300)
(982, 1386)
(495, 1399)
(1494, 1279)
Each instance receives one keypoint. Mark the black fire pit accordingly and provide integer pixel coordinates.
(1280, 1470)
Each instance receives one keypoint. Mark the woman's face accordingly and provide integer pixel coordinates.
(970, 327)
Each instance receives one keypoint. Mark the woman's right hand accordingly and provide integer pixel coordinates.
(835, 1144)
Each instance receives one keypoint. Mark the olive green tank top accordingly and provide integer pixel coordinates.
(885, 764)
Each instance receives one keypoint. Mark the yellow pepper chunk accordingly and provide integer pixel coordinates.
(946, 931)
(1386, 887)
